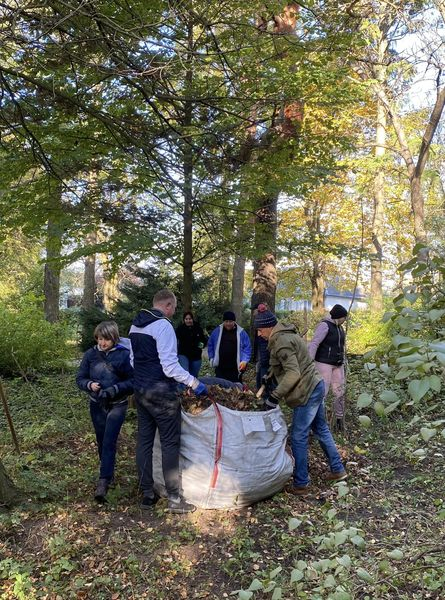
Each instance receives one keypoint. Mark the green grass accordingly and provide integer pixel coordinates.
(379, 537)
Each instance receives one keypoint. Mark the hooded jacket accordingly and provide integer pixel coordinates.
(291, 365)
(155, 355)
(112, 368)
(243, 346)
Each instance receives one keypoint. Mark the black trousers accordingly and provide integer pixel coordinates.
(229, 374)
(158, 408)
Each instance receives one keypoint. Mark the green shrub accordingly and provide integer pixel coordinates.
(28, 343)
(304, 321)
(88, 320)
(366, 330)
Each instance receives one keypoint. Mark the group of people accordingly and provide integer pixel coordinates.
(161, 358)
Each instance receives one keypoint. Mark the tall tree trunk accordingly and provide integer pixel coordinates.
(264, 266)
(51, 279)
(187, 154)
(318, 288)
(379, 193)
(9, 494)
(111, 291)
(89, 274)
(418, 208)
(288, 126)
(239, 267)
(223, 280)
(415, 168)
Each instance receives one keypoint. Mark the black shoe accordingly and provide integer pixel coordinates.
(101, 490)
(179, 506)
(149, 501)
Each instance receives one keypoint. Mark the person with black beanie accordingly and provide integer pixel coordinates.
(327, 348)
(229, 348)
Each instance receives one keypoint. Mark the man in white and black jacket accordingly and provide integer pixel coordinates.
(157, 373)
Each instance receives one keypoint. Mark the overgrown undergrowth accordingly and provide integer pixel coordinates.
(379, 536)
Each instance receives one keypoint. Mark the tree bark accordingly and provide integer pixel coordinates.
(89, 275)
(415, 169)
(223, 280)
(187, 155)
(318, 288)
(238, 286)
(9, 494)
(111, 287)
(264, 266)
(51, 279)
(288, 126)
(379, 192)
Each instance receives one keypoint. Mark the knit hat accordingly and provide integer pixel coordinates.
(264, 318)
(338, 311)
(229, 316)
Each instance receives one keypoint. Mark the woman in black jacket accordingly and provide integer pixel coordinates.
(191, 341)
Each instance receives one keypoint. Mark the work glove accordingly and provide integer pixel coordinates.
(269, 383)
(108, 393)
(271, 402)
(201, 389)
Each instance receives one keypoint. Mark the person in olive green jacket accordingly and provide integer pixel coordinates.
(302, 388)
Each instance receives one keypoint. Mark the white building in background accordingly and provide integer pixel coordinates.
(331, 296)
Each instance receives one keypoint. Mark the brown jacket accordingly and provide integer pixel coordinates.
(292, 366)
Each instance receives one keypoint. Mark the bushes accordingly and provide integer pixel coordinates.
(89, 319)
(28, 343)
(366, 330)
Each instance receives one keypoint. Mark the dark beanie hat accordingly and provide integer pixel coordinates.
(264, 318)
(338, 311)
(229, 316)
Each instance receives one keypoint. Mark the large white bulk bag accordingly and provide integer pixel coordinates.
(229, 458)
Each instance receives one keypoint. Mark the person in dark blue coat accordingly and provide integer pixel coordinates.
(157, 373)
(107, 375)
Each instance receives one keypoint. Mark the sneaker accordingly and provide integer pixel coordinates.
(339, 476)
(299, 490)
(101, 490)
(149, 501)
(179, 506)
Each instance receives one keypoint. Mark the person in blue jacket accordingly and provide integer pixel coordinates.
(229, 348)
(107, 375)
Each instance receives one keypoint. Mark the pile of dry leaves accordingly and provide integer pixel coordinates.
(232, 398)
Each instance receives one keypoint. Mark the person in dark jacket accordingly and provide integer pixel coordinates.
(260, 351)
(157, 373)
(229, 348)
(301, 387)
(107, 375)
(191, 341)
(327, 348)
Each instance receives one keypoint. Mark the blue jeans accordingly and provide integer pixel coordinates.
(107, 425)
(305, 418)
(192, 366)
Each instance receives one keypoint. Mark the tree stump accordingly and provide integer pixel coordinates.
(9, 494)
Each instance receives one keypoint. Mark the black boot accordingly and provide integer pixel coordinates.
(339, 426)
(101, 490)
